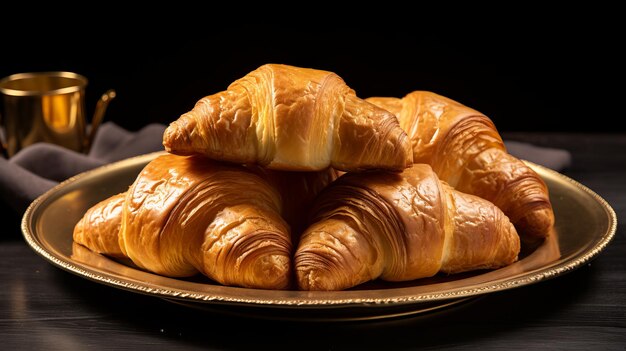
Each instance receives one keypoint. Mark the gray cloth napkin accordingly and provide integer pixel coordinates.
(556, 159)
(39, 167)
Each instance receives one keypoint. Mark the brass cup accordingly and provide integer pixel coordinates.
(48, 107)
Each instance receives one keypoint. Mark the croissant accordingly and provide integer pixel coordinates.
(289, 118)
(399, 227)
(298, 191)
(185, 215)
(99, 227)
(465, 149)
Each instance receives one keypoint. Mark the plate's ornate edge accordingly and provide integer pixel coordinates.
(312, 302)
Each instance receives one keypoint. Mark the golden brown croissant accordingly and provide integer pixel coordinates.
(399, 227)
(290, 118)
(297, 191)
(99, 227)
(465, 149)
(185, 215)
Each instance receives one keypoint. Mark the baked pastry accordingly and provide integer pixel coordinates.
(465, 149)
(289, 118)
(399, 227)
(185, 215)
(298, 191)
(99, 227)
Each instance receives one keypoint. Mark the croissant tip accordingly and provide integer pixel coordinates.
(276, 269)
(308, 280)
(77, 235)
(170, 132)
(408, 161)
(176, 140)
(536, 225)
(514, 243)
(167, 137)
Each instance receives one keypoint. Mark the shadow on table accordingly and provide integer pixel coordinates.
(11, 222)
(479, 322)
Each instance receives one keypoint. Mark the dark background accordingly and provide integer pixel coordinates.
(527, 75)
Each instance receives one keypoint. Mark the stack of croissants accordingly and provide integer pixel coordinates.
(288, 180)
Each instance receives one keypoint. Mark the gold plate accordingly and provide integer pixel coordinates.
(585, 224)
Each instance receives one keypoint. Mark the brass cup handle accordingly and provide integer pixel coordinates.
(98, 116)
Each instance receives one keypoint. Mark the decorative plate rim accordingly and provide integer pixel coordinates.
(303, 299)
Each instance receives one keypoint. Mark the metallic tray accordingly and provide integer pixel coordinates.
(585, 224)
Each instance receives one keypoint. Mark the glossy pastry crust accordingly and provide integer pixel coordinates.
(99, 227)
(465, 149)
(185, 215)
(399, 227)
(237, 222)
(290, 118)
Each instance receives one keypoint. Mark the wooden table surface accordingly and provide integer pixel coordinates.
(45, 308)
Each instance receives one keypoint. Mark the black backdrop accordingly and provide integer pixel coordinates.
(541, 80)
